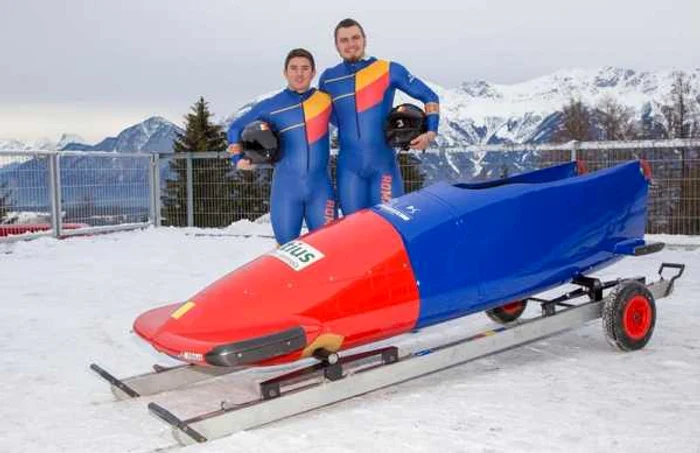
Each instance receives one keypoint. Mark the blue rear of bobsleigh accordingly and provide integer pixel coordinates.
(476, 246)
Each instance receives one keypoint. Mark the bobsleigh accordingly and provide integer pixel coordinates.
(439, 253)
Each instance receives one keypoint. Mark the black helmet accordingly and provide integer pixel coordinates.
(259, 143)
(404, 123)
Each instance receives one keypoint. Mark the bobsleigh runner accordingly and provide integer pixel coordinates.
(427, 257)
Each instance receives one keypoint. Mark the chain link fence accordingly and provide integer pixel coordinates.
(68, 193)
(674, 195)
(64, 193)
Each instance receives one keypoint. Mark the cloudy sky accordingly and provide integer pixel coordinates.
(95, 67)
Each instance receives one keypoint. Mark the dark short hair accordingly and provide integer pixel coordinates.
(347, 23)
(303, 53)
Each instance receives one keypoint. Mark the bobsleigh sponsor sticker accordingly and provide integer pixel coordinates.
(297, 255)
(391, 209)
(192, 356)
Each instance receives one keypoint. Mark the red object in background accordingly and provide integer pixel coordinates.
(356, 287)
(23, 228)
(646, 169)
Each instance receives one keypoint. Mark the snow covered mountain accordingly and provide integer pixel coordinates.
(44, 144)
(529, 112)
(155, 134)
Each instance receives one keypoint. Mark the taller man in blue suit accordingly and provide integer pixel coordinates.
(362, 90)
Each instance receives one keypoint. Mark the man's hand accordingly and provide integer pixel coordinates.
(423, 140)
(244, 164)
(241, 163)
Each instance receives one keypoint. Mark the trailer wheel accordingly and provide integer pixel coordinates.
(508, 312)
(629, 316)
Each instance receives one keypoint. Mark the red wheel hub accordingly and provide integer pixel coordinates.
(636, 318)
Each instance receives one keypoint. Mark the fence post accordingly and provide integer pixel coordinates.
(575, 145)
(190, 191)
(55, 194)
(154, 183)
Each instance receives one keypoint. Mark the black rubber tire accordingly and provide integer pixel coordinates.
(629, 316)
(508, 312)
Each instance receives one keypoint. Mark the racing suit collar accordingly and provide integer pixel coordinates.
(354, 66)
(304, 96)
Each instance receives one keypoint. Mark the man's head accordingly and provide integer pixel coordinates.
(299, 69)
(350, 40)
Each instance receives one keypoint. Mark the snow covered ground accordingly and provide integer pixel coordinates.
(68, 303)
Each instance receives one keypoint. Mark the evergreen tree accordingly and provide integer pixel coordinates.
(213, 205)
(200, 133)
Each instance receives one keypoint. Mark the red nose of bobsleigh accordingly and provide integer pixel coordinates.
(209, 329)
(193, 340)
(333, 288)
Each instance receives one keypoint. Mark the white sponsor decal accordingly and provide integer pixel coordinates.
(192, 356)
(394, 211)
(412, 210)
(297, 255)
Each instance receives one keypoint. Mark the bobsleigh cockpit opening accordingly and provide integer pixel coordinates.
(544, 175)
(482, 184)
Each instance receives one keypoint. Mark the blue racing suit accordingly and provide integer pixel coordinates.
(301, 186)
(363, 94)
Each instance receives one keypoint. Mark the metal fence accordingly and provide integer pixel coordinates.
(73, 192)
(107, 191)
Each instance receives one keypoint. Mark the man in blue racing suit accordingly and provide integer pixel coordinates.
(301, 186)
(362, 90)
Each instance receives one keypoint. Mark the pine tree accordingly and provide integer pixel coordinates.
(213, 204)
(200, 134)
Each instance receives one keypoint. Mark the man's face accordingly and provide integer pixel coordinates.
(350, 43)
(299, 74)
